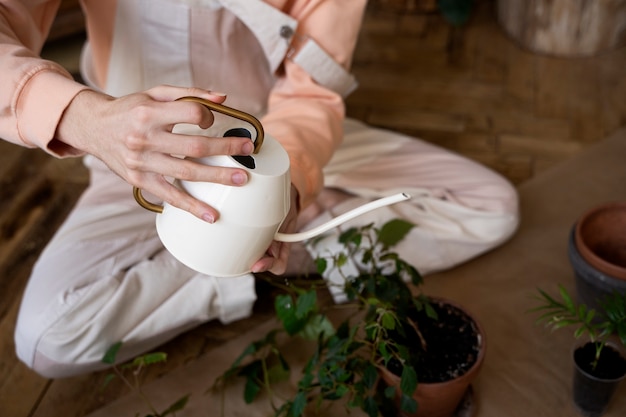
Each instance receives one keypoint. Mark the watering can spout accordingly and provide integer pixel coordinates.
(373, 205)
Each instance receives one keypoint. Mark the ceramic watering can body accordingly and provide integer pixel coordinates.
(250, 216)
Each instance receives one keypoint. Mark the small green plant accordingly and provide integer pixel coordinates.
(598, 325)
(134, 383)
(346, 358)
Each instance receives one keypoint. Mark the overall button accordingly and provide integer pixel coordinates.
(286, 32)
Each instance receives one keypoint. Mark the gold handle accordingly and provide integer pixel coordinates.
(220, 108)
(237, 114)
(157, 208)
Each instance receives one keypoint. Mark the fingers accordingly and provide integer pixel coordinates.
(133, 136)
(172, 195)
(277, 255)
(148, 158)
(193, 146)
(171, 93)
(183, 169)
(275, 260)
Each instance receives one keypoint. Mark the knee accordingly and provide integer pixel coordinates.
(52, 368)
(44, 354)
(51, 337)
(510, 212)
(497, 196)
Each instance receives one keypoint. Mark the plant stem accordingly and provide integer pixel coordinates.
(136, 388)
(419, 334)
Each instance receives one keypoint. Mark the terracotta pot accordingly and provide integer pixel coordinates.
(599, 269)
(441, 399)
(600, 237)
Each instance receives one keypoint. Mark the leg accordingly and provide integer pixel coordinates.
(105, 278)
(461, 208)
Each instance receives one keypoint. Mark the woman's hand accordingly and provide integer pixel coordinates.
(133, 136)
(277, 255)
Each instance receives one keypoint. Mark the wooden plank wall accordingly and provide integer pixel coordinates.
(477, 92)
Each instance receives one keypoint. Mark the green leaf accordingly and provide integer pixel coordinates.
(393, 232)
(370, 375)
(249, 350)
(353, 236)
(306, 304)
(342, 390)
(384, 352)
(111, 354)
(306, 381)
(370, 406)
(567, 299)
(320, 265)
(107, 379)
(390, 392)
(150, 358)
(408, 404)
(251, 389)
(177, 406)
(317, 326)
(408, 380)
(388, 321)
(278, 372)
(299, 402)
(341, 260)
(414, 275)
(286, 312)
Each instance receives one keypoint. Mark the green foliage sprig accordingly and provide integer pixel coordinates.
(135, 367)
(598, 325)
(346, 358)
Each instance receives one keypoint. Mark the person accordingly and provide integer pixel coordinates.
(105, 276)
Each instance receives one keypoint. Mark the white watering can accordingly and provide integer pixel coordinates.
(250, 216)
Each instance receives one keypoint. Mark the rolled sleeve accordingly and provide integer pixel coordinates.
(39, 108)
(303, 115)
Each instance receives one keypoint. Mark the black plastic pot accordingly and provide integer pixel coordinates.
(592, 393)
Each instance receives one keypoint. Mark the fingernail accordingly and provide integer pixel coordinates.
(218, 93)
(247, 148)
(239, 178)
(208, 217)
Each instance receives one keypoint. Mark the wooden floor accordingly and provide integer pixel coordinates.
(471, 90)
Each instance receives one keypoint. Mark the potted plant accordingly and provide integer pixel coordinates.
(373, 352)
(600, 364)
(597, 252)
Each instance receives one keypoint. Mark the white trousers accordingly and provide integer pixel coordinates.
(105, 276)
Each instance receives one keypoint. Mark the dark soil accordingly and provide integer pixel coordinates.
(453, 344)
(611, 364)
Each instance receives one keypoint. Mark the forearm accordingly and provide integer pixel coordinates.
(34, 92)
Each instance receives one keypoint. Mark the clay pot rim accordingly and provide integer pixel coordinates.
(586, 253)
(481, 352)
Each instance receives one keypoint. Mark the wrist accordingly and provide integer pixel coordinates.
(77, 121)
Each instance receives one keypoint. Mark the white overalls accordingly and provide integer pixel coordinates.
(105, 276)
